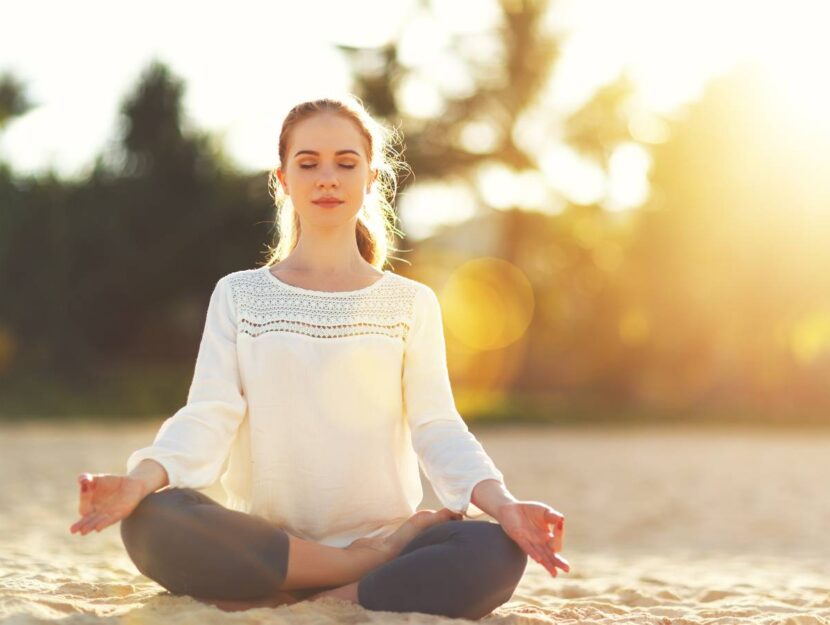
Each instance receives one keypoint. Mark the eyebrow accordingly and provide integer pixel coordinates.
(338, 153)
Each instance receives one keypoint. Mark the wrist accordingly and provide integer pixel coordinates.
(150, 475)
(144, 486)
(505, 505)
(492, 496)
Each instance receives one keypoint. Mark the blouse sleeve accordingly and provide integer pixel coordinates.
(194, 443)
(451, 457)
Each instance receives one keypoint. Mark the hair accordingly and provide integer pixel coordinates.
(376, 224)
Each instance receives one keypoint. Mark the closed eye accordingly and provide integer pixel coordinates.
(310, 166)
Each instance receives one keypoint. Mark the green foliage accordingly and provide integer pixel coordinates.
(13, 101)
(105, 269)
(114, 392)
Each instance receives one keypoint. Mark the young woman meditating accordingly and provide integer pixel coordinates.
(322, 380)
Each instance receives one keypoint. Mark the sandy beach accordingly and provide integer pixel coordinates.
(665, 525)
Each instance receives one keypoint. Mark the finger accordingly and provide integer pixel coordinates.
(554, 559)
(81, 526)
(562, 563)
(93, 522)
(559, 535)
(538, 554)
(78, 525)
(88, 523)
(105, 521)
(558, 539)
(87, 484)
(555, 518)
(529, 550)
(86, 478)
(548, 556)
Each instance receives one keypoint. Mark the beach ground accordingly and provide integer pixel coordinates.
(684, 525)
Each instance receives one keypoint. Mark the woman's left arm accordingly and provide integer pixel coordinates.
(450, 455)
(536, 527)
(453, 460)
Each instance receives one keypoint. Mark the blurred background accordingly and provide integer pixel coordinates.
(624, 207)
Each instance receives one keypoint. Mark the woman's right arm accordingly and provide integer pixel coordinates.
(190, 447)
(193, 444)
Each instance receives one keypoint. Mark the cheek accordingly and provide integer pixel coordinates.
(303, 179)
(359, 178)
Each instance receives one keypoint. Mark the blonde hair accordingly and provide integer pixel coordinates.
(375, 230)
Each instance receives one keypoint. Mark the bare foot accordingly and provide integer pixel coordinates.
(390, 546)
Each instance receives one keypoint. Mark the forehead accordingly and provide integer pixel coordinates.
(326, 133)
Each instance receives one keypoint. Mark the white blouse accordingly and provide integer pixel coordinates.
(323, 403)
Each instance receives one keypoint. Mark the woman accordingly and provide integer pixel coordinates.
(322, 381)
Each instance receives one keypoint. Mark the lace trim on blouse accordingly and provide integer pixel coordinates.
(265, 305)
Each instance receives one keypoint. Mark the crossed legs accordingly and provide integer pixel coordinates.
(190, 544)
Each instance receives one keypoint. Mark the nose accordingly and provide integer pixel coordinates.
(328, 178)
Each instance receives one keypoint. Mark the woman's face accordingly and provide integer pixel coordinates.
(327, 156)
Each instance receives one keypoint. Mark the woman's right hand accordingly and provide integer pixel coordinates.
(106, 499)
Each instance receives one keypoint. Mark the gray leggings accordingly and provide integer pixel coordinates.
(192, 545)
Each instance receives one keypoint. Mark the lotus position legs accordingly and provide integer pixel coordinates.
(190, 544)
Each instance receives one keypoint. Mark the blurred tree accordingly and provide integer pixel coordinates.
(13, 100)
(510, 68)
(119, 266)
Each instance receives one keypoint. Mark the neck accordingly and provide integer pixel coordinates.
(326, 252)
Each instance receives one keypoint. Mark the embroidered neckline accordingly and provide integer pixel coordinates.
(298, 289)
(265, 305)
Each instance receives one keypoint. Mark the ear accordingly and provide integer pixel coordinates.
(281, 178)
(372, 178)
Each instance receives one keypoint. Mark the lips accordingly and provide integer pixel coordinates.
(328, 202)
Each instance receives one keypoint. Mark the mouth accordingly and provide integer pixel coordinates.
(327, 203)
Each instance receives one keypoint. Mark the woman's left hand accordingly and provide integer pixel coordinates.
(538, 529)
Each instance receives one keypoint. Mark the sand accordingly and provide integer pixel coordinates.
(665, 525)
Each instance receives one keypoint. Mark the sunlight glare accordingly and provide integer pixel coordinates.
(580, 180)
(628, 177)
(797, 61)
(426, 206)
(419, 98)
(810, 337)
(488, 303)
